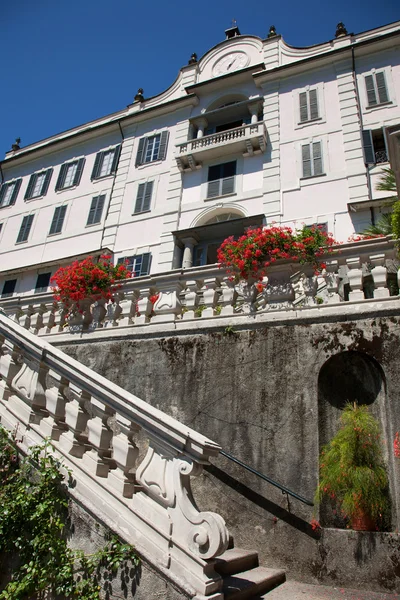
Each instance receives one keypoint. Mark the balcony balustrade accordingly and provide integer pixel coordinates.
(249, 139)
(356, 273)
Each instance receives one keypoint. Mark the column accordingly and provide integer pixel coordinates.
(189, 243)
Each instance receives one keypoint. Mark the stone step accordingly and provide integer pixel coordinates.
(235, 560)
(252, 583)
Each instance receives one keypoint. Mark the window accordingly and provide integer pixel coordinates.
(96, 210)
(70, 174)
(374, 143)
(143, 198)
(106, 162)
(138, 265)
(308, 106)
(152, 148)
(58, 219)
(8, 288)
(25, 229)
(376, 88)
(321, 226)
(38, 184)
(42, 282)
(311, 155)
(221, 179)
(9, 192)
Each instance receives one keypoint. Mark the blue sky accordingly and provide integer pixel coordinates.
(65, 62)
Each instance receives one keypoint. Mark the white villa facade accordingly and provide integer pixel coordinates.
(254, 132)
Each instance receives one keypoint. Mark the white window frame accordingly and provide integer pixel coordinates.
(132, 265)
(320, 89)
(238, 178)
(363, 92)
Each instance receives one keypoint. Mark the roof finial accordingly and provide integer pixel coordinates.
(232, 31)
(193, 59)
(139, 96)
(16, 145)
(272, 31)
(341, 30)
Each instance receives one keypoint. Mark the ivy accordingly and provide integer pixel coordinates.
(34, 529)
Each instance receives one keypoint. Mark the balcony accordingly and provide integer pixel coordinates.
(248, 139)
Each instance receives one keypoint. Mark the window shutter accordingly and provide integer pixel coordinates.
(306, 158)
(140, 152)
(31, 185)
(79, 169)
(317, 158)
(213, 188)
(15, 192)
(381, 86)
(58, 219)
(369, 154)
(61, 177)
(25, 228)
(97, 165)
(163, 145)
(303, 107)
(46, 182)
(99, 208)
(147, 196)
(145, 268)
(314, 114)
(117, 152)
(228, 185)
(140, 197)
(371, 96)
(3, 192)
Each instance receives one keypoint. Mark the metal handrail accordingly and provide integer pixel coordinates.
(284, 489)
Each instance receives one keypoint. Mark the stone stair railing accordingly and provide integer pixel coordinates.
(356, 272)
(132, 464)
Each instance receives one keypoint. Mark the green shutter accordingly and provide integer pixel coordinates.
(117, 152)
(213, 188)
(147, 196)
(369, 154)
(317, 158)
(306, 158)
(228, 185)
(58, 219)
(31, 185)
(381, 87)
(25, 228)
(140, 197)
(314, 113)
(46, 182)
(15, 191)
(61, 177)
(99, 208)
(303, 107)
(140, 152)
(78, 173)
(3, 190)
(163, 145)
(145, 267)
(371, 95)
(97, 165)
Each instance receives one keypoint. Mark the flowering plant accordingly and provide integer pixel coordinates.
(88, 279)
(360, 237)
(251, 255)
(352, 470)
(396, 445)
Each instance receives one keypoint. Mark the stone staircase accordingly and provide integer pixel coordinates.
(243, 578)
(131, 463)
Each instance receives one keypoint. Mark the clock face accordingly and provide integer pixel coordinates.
(230, 62)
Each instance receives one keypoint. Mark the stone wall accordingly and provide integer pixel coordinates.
(268, 395)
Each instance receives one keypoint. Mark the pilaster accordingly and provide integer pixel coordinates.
(271, 168)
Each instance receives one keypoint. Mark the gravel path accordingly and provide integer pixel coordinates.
(293, 590)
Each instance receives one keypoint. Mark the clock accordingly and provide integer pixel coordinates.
(230, 63)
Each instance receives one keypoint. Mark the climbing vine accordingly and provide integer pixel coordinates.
(34, 528)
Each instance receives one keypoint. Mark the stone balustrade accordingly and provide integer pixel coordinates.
(357, 272)
(132, 464)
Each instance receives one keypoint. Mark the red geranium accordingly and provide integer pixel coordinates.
(250, 255)
(88, 279)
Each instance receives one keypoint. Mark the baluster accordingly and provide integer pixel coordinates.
(228, 296)
(355, 277)
(29, 386)
(127, 308)
(98, 458)
(74, 441)
(168, 305)
(36, 323)
(143, 306)
(10, 364)
(191, 298)
(49, 317)
(379, 275)
(99, 313)
(24, 317)
(125, 454)
(332, 281)
(54, 425)
(210, 296)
